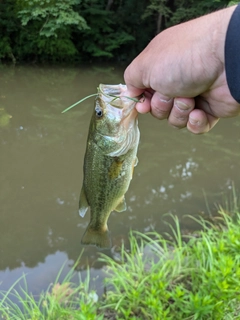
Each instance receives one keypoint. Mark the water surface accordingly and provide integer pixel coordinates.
(41, 159)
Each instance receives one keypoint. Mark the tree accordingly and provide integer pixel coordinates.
(9, 25)
(104, 35)
(87, 30)
(184, 10)
(47, 27)
(161, 10)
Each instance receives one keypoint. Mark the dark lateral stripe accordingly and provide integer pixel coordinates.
(232, 54)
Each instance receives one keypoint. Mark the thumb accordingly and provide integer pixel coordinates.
(133, 91)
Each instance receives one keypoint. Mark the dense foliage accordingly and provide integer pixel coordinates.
(86, 30)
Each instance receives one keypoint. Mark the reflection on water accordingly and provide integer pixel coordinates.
(41, 159)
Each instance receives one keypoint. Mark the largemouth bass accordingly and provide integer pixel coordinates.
(110, 157)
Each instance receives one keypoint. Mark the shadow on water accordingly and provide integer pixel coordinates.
(41, 159)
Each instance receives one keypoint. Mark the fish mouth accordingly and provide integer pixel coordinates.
(123, 114)
(117, 99)
(114, 96)
(111, 94)
(111, 90)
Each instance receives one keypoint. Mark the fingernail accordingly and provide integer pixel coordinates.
(164, 100)
(194, 121)
(181, 105)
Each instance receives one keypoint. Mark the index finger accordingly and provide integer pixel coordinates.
(133, 92)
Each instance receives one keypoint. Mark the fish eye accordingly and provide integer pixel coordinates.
(99, 112)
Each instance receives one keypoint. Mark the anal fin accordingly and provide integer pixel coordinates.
(83, 204)
(135, 161)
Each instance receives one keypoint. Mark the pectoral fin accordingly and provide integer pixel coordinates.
(122, 206)
(83, 204)
(115, 168)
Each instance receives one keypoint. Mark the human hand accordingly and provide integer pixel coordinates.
(182, 74)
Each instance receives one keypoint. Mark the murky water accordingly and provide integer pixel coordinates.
(41, 159)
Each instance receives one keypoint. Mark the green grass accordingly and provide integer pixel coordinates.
(62, 301)
(193, 277)
(197, 279)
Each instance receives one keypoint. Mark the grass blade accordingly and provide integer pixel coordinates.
(80, 101)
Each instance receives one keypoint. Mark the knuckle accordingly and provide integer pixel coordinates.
(158, 112)
(177, 126)
(160, 108)
(179, 121)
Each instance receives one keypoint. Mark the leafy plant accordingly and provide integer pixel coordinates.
(63, 301)
(84, 30)
(52, 15)
(159, 9)
(104, 36)
(198, 279)
(47, 27)
(184, 10)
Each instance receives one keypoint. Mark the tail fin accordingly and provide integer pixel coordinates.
(99, 238)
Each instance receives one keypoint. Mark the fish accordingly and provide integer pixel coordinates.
(109, 161)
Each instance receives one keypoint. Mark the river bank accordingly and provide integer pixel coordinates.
(172, 277)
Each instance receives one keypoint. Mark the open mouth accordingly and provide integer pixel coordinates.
(110, 90)
(111, 94)
(114, 96)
